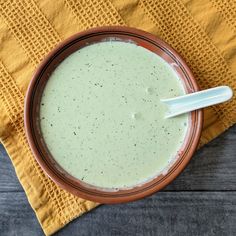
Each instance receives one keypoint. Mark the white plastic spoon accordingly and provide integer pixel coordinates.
(194, 101)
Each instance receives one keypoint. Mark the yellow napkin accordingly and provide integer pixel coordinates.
(202, 31)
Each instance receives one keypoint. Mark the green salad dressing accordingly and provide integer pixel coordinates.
(102, 119)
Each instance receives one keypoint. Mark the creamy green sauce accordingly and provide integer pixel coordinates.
(102, 119)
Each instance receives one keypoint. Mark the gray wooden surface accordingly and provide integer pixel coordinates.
(201, 201)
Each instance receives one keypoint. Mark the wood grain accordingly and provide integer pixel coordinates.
(165, 213)
(8, 179)
(16, 216)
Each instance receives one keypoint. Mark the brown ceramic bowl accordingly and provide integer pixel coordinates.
(32, 126)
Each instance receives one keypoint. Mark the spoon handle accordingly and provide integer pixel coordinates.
(194, 101)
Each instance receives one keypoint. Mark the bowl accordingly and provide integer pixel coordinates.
(32, 125)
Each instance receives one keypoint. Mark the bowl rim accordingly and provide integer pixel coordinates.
(55, 178)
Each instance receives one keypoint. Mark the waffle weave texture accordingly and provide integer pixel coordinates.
(202, 31)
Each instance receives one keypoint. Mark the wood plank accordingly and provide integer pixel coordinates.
(8, 179)
(212, 168)
(165, 213)
(16, 216)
